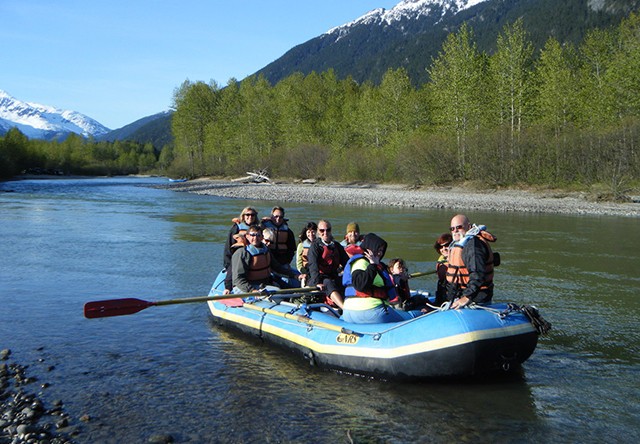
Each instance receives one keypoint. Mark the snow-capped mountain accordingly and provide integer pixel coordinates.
(406, 10)
(407, 35)
(38, 121)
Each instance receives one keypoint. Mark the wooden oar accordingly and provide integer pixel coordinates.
(126, 306)
(422, 273)
(303, 319)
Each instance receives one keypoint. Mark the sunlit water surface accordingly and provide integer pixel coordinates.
(171, 370)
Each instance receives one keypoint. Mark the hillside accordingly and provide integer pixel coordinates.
(368, 48)
(155, 129)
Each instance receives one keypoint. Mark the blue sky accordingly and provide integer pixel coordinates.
(117, 61)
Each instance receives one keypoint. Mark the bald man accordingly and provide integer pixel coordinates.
(471, 262)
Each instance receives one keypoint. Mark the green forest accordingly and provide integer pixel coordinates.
(567, 116)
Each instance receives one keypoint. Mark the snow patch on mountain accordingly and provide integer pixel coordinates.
(406, 9)
(38, 121)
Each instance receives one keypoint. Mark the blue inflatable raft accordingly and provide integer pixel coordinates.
(440, 344)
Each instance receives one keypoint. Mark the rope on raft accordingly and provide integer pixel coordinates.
(530, 311)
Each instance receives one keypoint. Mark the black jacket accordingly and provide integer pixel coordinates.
(316, 276)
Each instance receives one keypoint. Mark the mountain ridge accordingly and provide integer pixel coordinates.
(412, 33)
(46, 122)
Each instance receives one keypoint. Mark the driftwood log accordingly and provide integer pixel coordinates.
(257, 177)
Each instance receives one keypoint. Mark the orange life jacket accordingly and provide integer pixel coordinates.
(457, 273)
(282, 234)
(259, 266)
(305, 252)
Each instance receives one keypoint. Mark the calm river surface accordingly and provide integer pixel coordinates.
(170, 370)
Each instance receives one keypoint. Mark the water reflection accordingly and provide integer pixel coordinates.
(367, 409)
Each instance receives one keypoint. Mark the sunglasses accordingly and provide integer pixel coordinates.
(278, 216)
(254, 234)
(323, 230)
(444, 246)
(250, 214)
(457, 227)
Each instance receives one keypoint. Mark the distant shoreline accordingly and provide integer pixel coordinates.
(456, 199)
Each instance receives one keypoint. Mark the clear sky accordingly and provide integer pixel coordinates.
(118, 61)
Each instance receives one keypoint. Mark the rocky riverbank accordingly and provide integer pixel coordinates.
(24, 417)
(455, 199)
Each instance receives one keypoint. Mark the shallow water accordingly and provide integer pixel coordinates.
(171, 370)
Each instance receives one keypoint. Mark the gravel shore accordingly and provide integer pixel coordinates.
(24, 416)
(456, 199)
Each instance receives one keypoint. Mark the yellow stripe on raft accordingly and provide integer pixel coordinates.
(372, 352)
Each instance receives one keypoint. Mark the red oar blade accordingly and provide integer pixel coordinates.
(114, 307)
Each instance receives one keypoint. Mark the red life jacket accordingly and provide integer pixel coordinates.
(353, 249)
(329, 262)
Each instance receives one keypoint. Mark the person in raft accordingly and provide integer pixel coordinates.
(352, 239)
(253, 264)
(471, 262)
(326, 259)
(307, 236)
(283, 246)
(442, 248)
(368, 286)
(400, 279)
(236, 239)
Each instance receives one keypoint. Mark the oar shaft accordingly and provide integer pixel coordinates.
(234, 295)
(126, 306)
(422, 273)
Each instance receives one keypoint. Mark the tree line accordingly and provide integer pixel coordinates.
(567, 116)
(76, 155)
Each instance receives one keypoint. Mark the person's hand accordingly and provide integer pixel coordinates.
(320, 287)
(372, 257)
(226, 291)
(460, 303)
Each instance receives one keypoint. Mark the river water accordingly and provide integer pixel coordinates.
(171, 370)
